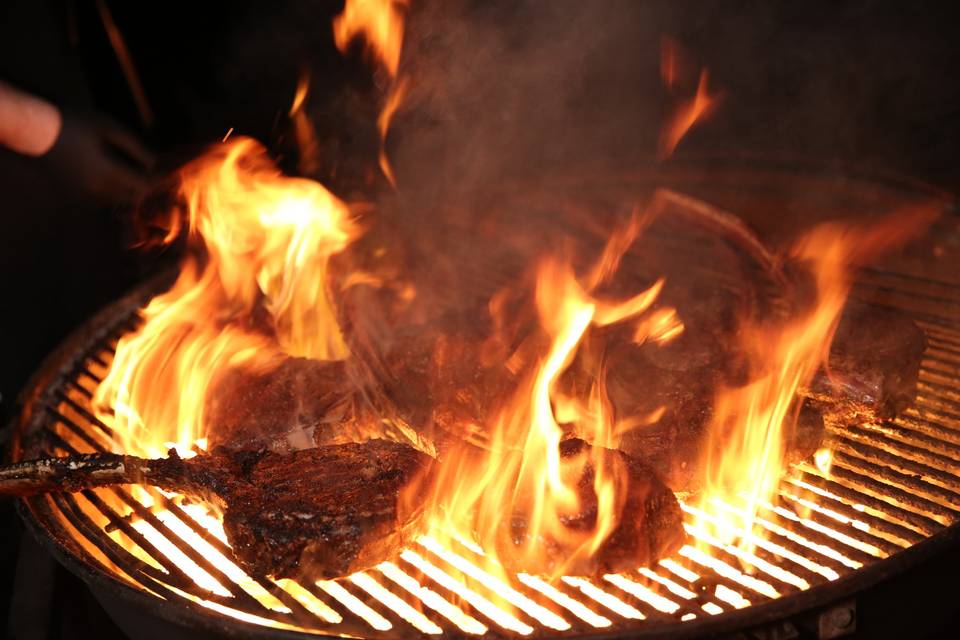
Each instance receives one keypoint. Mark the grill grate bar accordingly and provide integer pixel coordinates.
(85, 414)
(890, 486)
(606, 599)
(636, 599)
(919, 522)
(859, 517)
(916, 425)
(432, 599)
(582, 616)
(715, 572)
(775, 545)
(179, 577)
(854, 444)
(220, 547)
(122, 523)
(886, 498)
(947, 394)
(943, 340)
(654, 606)
(89, 375)
(938, 502)
(690, 602)
(858, 544)
(131, 565)
(937, 364)
(75, 430)
(705, 589)
(241, 597)
(929, 408)
(910, 277)
(478, 603)
(73, 384)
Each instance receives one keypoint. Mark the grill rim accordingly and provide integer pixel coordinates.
(42, 523)
(53, 538)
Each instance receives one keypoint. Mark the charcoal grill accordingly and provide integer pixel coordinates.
(891, 498)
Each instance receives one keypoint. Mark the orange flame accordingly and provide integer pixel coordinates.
(677, 73)
(380, 22)
(303, 128)
(521, 476)
(253, 289)
(687, 114)
(745, 453)
(670, 61)
(394, 99)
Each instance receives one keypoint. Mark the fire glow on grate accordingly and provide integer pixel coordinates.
(885, 487)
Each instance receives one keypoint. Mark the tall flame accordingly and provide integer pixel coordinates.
(521, 476)
(687, 114)
(394, 99)
(688, 111)
(252, 288)
(380, 22)
(303, 129)
(745, 452)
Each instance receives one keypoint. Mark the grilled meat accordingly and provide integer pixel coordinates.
(292, 406)
(672, 444)
(321, 512)
(874, 365)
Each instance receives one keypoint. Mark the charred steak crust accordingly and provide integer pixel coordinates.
(283, 408)
(323, 512)
(873, 367)
(651, 522)
(319, 513)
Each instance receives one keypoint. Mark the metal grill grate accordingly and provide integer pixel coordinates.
(892, 485)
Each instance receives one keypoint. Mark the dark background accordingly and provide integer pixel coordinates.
(504, 88)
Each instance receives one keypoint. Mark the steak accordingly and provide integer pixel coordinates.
(873, 366)
(672, 444)
(285, 408)
(650, 523)
(321, 513)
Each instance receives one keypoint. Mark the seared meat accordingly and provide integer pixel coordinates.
(672, 445)
(874, 364)
(292, 406)
(322, 512)
(650, 525)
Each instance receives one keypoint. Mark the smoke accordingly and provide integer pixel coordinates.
(510, 90)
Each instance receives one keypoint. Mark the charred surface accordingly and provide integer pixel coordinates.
(300, 404)
(873, 368)
(321, 512)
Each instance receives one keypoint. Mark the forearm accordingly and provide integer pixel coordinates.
(28, 125)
